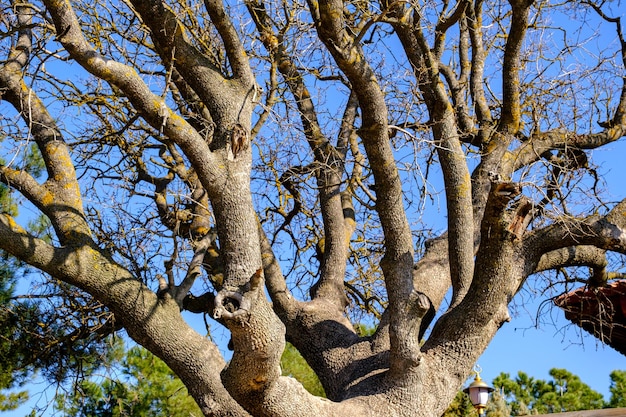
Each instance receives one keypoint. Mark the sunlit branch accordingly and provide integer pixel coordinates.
(32, 250)
(474, 22)
(347, 129)
(234, 49)
(152, 107)
(511, 110)
(446, 133)
(398, 259)
(582, 255)
(532, 149)
(62, 186)
(445, 23)
(604, 232)
(457, 91)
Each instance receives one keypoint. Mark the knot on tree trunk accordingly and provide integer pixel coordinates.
(232, 304)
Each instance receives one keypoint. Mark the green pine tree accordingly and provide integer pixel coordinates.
(618, 389)
(13, 372)
(497, 406)
(460, 407)
(145, 387)
(565, 392)
(294, 365)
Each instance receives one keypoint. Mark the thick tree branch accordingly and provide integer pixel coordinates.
(456, 175)
(234, 48)
(607, 233)
(59, 198)
(241, 303)
(398, 260)
(577, 256)
(583, 255)
(229, 100)
(532, 150)
(459, 202)
(477, 89)
(510, 120)
(184, 184)
(30, 249)
(458, 93)
(304, 319)
(157, 325)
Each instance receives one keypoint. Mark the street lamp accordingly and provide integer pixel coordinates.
(478, 392)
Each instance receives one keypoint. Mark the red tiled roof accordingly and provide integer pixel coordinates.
(600, 311)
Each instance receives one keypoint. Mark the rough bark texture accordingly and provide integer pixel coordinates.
(188, 106)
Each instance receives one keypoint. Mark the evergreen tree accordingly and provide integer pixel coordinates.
(294, 365)
(146, 387)
(565, 392)
(497, 406)
(13, 373)
(460, 407)
(618, 389)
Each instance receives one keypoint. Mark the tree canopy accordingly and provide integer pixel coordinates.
(276, 168)
(565, 392)
(526, 395)
(145, 386)
(618, 389)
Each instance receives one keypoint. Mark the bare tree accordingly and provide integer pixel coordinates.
(201, 155)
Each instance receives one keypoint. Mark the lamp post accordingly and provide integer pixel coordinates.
(478, 392)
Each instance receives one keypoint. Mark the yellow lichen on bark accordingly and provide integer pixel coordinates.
(13, 225)
(354, 57)
(47, 199)
(328, 13)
